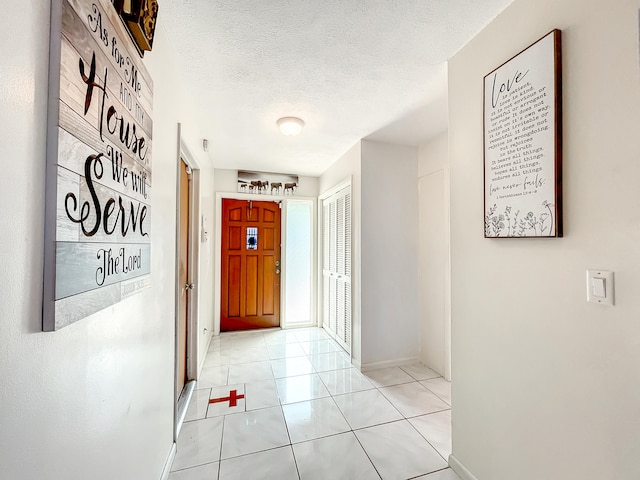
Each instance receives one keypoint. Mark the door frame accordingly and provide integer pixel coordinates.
(218, 252)
(182, 401)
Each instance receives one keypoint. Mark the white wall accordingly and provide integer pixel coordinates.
(384, 250)
(434, 266)
(545, 384)
(95, 399)
(434, 155)
(389, 251)
(173, 105)
(349, 167)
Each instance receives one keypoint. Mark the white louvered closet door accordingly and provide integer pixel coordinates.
(336, 266)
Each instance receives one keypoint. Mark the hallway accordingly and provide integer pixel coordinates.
(287, 404)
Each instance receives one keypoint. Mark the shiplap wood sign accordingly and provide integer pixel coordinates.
(98, 192)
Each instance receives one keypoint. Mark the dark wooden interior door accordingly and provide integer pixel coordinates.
(183, 279)
(250, 265)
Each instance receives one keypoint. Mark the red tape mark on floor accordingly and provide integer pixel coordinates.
(232, 398)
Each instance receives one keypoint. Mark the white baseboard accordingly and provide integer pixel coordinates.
(204, 357)
(366, 367)
(183, 404)
(460, 469)
(356, 363)
(169, 462)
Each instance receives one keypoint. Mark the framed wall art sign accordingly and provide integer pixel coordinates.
(98, 179)
(523, 143)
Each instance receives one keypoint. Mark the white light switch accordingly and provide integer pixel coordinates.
(600, 287)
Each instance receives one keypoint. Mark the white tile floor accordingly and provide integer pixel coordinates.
(301, 411)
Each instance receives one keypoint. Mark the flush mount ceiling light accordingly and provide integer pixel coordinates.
(290, 126)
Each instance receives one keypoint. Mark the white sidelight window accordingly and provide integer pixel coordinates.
(298, 261)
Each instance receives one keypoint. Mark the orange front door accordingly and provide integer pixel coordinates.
(250, 265)
(183, 278)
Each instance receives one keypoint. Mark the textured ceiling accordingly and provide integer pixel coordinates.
(350, 69)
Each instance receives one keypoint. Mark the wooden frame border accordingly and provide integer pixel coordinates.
(499, 220)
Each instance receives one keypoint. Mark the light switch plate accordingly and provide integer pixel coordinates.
(600, 287)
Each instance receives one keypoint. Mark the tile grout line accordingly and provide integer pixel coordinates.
(429, 474)
(434, 392)
(366, 453)
(427, 440)
(286, 426)
(224, 421)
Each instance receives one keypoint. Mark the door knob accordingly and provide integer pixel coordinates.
(277, 271)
